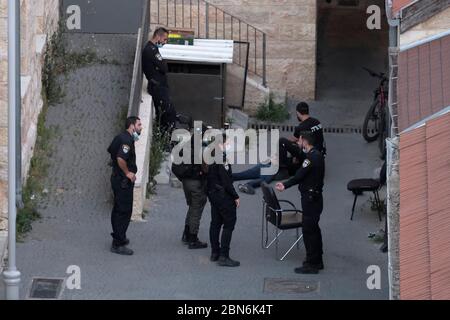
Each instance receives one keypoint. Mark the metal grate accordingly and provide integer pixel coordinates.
(291, 128)
(46, 288)
(290, 286)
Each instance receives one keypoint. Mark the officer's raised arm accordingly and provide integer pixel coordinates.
(300, 175)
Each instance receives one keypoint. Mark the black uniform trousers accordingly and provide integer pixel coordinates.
(122, 210)
(312, 235)
(165, 112)
(223, 218)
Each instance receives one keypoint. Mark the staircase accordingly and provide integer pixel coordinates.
(210, 22)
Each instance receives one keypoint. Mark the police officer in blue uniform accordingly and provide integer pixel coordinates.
(156, 70)
(310, 178)
(123, 159)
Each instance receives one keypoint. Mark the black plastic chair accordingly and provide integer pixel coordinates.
(358, 187)
(281, 219)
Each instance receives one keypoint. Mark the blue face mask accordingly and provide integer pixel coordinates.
(159, 45)
(136, 136)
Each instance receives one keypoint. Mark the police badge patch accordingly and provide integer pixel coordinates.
(306, 163)
(159, 57)
(126, 149)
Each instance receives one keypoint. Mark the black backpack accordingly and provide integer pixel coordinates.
(181, 171)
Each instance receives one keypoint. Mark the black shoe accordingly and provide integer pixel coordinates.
(116, 243)
(246, 188)
(185, 238)
(214, 257)
(120, 244)
(227, 262)
(124, 251)
(307, 269)
(318, 266)
(197, 245)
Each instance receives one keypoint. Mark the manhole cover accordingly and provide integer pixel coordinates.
(291, 286)
(46, 288)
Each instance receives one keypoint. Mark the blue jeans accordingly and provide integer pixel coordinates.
(254, 174)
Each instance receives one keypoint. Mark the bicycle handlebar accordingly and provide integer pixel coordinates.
(374, 74)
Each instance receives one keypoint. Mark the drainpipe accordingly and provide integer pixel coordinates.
(19, 200)
(11, 275)
(393, 159)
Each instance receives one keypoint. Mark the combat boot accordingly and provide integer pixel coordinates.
(228, 262)
(318, 266)
(214, 257)
(307, 269)
(195, 243)
(124, 251)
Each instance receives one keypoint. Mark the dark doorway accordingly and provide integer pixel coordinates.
(344, 46)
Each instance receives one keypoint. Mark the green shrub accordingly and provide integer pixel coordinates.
(157, 152)
(271, 111)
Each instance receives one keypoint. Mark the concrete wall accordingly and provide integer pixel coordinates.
(438, 24)
(39, 20)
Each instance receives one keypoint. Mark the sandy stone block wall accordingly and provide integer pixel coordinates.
(38, 18)
(291, 41)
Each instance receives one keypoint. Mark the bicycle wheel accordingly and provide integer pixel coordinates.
(371, 123)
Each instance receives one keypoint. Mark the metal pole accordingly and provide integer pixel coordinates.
(264, 60)
(18, 116)
(12, 275)
(207, 19)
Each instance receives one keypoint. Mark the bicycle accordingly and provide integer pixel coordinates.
(375, 123)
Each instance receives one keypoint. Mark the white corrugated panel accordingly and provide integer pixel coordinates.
(212, 51)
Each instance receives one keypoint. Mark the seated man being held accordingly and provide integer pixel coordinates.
(308, 124)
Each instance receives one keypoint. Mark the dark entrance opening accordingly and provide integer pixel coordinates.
(345, 45)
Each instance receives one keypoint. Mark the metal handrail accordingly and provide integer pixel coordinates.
(217, 24)
(137, 79)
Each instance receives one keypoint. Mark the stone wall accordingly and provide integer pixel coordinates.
(39, 19)
(290, 26)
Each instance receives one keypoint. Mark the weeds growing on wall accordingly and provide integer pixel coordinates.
(271, 111)
(58, 61)
(34, 190)
(160, 142)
